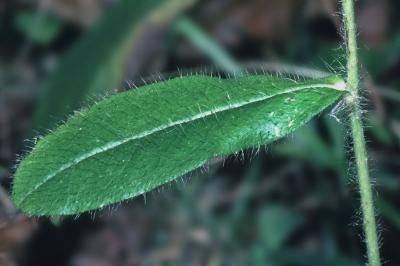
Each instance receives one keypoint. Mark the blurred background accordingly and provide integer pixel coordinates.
(295, 203)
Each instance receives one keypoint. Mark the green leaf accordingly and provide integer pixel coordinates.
(95, 63)
(135, 141)
(389, 211)
(207, 45)
(39, 28)
(276, 224)
(304, 257)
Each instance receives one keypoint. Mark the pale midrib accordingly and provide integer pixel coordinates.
(200, 115)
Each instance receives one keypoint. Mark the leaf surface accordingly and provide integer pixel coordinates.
(135, 141)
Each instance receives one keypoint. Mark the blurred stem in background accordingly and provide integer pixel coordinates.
(206, 44)
(358, 136)
(5, 202)
(97, 61)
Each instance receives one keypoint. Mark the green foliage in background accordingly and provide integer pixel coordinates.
(95, 64)
(95, 159)
(276, 224)
(207, 45)
(40, 29)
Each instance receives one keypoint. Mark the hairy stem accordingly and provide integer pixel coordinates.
(367, 204)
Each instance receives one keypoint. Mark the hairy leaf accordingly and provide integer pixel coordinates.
(135, 141)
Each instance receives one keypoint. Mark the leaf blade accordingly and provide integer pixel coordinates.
(135, 141)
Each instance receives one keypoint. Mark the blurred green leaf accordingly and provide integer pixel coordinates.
(379, 130)
(276, 224)
(296, 257)
(389, 211)
(308, 145)
(207, 45)
(39, 28)
(378, 60)
(94, 64)
(386, 180)
(245, 191)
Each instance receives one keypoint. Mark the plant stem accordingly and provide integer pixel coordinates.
(367, 204)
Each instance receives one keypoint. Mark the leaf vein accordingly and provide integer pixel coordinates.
(200, 115)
